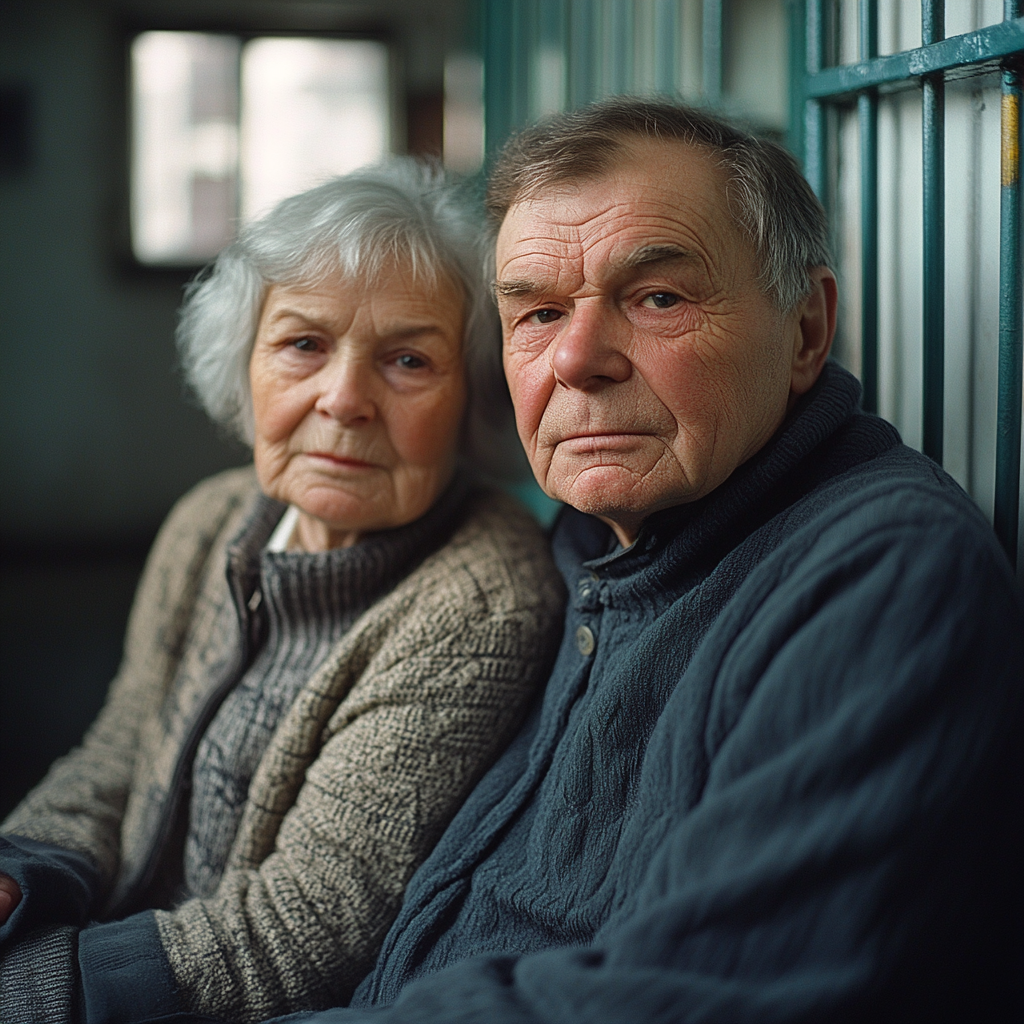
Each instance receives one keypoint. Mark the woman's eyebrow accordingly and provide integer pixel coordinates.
(293, 314)
(412, 331)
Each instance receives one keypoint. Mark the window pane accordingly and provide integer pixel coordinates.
(310, 109)
(184, 145)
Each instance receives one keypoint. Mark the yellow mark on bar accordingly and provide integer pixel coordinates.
(1011, 139)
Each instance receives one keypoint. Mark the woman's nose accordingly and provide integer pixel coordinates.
(589, 352)
(346, 393)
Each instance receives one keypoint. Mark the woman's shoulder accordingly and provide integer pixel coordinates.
(219, 493)
(196, 526)
(500, 554)
(203, 512)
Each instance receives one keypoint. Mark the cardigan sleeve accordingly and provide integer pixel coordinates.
(855, 852)
(466, 645)
(78, 805)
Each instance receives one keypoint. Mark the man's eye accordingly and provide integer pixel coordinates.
(661, 300)
(410, 362)
(306, 345)
(546, 316)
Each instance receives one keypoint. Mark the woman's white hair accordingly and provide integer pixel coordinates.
(360, 225)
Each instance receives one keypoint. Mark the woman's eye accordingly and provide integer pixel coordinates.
(546, 316)
(306, 345)
(410, 362)
(661, 300)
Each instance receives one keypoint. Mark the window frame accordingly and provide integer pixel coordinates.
(244, 30)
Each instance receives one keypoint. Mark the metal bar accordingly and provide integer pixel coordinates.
(933, 139)
(583, 54)
(520, 46)
(815, 137)
(617, 43)
(666, 45)
(1008, 415)
(711, 51)
(987, 44)
(796, 14)
(498, 56)
(867, 115)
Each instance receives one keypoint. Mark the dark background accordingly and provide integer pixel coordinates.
(97, 438)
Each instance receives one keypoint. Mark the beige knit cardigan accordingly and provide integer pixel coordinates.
(377, 752)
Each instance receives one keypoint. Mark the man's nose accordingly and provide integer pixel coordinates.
(346, 392)
(590, 350)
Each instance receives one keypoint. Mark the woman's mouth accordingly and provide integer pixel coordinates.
(344, 461)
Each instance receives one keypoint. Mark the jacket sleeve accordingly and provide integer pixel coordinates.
(56, 885)
(78, 805)
(855, 852)
(431, 709)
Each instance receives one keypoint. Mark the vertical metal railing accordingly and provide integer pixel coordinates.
(826, 84)
(1008, 414)
(712, 31)
(933, 116)
(867, 117)
(815, 135)
(582, 66)
(666, 45)
(498, 71)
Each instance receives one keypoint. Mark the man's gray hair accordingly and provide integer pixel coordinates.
(768, 195)
(360, 225)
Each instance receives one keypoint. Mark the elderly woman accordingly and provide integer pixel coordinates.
(325, 652)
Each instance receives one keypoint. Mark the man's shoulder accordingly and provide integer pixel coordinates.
(899, 494)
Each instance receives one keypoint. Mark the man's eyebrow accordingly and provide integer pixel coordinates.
(656, 254)
(511, 289)
(637, 258)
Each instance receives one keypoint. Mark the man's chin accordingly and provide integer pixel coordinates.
(617, 494)
(604, 494)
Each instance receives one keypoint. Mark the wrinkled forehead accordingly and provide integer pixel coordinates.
(653, 195)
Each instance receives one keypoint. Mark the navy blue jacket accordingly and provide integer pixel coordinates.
(782, 786)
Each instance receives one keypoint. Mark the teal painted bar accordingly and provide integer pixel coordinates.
(867, 116)
(618, 46)
(522, 43)
(815, 127)
(1008, 416)
(666, 45)
(987, 44)
(934, 171)
(497, 33)
(797, 27)
(582, 53)
(711, 52)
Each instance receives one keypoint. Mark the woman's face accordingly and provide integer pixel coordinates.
(358, 394)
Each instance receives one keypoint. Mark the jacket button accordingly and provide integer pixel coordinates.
(585, 641)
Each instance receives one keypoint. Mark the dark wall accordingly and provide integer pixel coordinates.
(96, 437)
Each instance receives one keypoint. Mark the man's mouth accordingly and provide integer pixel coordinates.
(598, 441)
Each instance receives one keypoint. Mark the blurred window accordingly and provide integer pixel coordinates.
(224, 128)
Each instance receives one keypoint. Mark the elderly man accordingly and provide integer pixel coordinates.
(773, 775)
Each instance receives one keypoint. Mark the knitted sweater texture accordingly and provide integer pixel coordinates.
(372, 758)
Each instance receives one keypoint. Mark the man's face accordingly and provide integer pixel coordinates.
(644, 361)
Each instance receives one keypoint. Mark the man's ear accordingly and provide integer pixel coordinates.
(814, 330)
